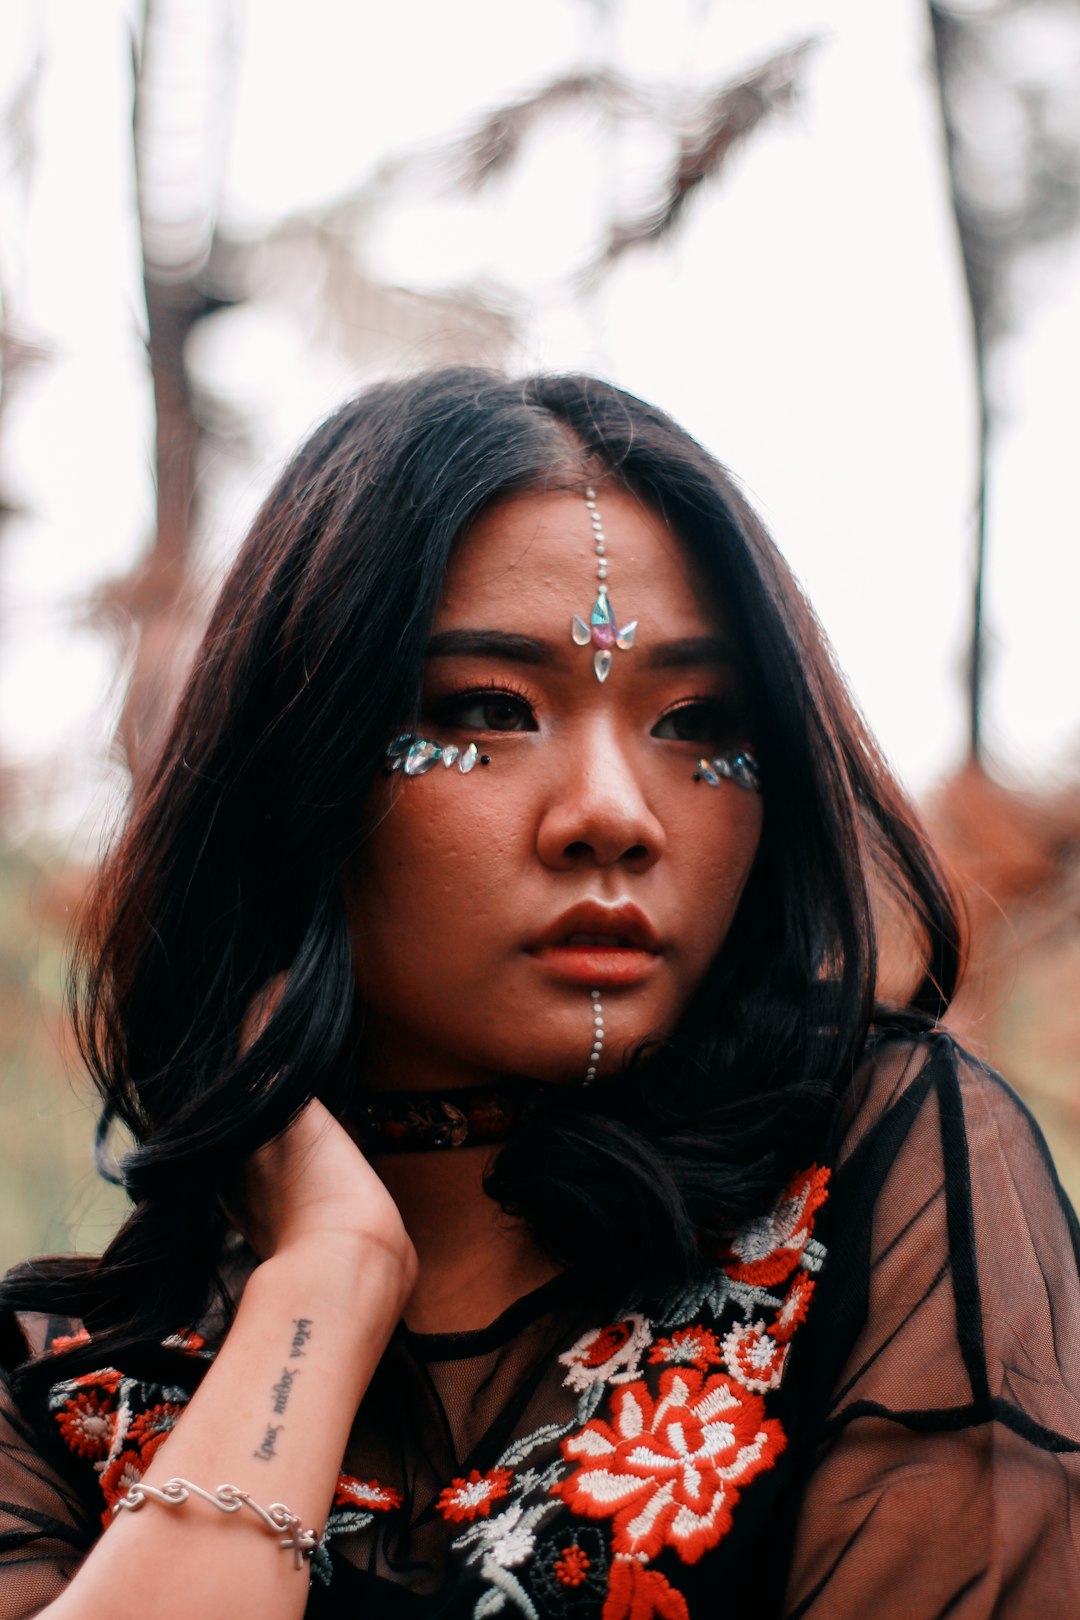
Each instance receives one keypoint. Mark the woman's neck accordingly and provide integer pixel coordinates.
(475, 1260)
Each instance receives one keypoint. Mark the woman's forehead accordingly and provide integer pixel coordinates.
(530, 563)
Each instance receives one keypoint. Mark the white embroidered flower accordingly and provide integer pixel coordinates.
(505, 1539)
(753, 1357)
(608, 1354)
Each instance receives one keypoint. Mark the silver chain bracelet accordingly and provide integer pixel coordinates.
(230, 1499)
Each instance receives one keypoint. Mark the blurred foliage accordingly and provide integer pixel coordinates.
(51, 1199)
(1015, 857)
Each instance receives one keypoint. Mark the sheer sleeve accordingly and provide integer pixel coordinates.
(44, 1529)
(944, 1478)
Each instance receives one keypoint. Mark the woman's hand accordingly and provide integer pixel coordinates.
(336, 1268)
(312, 1190)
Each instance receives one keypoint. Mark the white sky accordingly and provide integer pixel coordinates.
(807, 324)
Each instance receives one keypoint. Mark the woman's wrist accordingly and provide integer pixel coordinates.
(270, 1419)
(350, 1273)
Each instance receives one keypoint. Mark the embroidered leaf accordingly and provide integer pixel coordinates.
(510, 1588)
(515, 1454)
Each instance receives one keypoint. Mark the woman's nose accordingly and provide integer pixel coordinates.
(597, 812)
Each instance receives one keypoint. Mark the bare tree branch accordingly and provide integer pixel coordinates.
(722, 121)
(492, 148)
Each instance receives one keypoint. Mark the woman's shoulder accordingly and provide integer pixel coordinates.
(919, 1090)
(941, 1360)
(943, 1181)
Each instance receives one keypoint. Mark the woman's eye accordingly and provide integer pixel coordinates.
(490, 711)
(700, 722)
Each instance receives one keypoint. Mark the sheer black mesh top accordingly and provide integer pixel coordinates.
(870, 1407)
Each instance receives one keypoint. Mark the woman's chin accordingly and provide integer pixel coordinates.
(562, 1068)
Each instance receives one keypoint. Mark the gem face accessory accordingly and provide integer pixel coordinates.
(415, 756)
(602, 630)
(598, 1037)
(740, 767)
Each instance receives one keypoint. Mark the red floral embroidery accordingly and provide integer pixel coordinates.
(126, 1469)
(365, 1493)
(609, 1354)
(767, 1251)
(150, 1427)
(687, 1347)
(637, 1593)
(607, 1342)
(68, 1341)
(754, 1357)
(88, 1422)
(794, 1308)
(472, 1497)
(104, 1378)
(572, 1565)
(668, 1472)
(190, 1341)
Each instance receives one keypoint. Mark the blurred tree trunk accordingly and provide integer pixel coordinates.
(947, 34)
(18, 353)
(180, 62)
(1010, 119)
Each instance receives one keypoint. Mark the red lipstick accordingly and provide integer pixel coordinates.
(598, 944)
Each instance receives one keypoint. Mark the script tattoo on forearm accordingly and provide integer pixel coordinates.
(280, 1392)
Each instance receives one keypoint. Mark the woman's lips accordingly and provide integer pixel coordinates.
(596, 964)
(597, 943)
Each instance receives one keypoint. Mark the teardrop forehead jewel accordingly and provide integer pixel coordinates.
(602, 631)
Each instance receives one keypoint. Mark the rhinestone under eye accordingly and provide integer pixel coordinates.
(739, 766)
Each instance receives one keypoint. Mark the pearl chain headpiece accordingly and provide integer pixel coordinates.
(602, 631)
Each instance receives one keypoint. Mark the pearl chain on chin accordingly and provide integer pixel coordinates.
(598, 1036)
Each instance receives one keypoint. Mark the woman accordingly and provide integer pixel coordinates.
(535, 1194)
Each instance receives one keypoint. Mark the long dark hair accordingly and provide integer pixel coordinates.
(227, 875)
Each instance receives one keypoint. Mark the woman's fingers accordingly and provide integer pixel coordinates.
(311, 1185)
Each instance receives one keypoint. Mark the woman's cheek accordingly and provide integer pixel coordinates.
(429, 880)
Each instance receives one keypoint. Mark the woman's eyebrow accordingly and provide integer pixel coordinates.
(491, 644)
(682, 653)
(689, 650)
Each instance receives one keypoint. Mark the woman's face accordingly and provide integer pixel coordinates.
(486, 908)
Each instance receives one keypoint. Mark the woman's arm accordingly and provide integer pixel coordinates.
(273, 1413)
(944, 1358)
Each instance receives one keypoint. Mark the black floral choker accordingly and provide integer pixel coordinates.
(420, 1121)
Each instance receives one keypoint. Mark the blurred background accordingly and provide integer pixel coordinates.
(839, 242)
